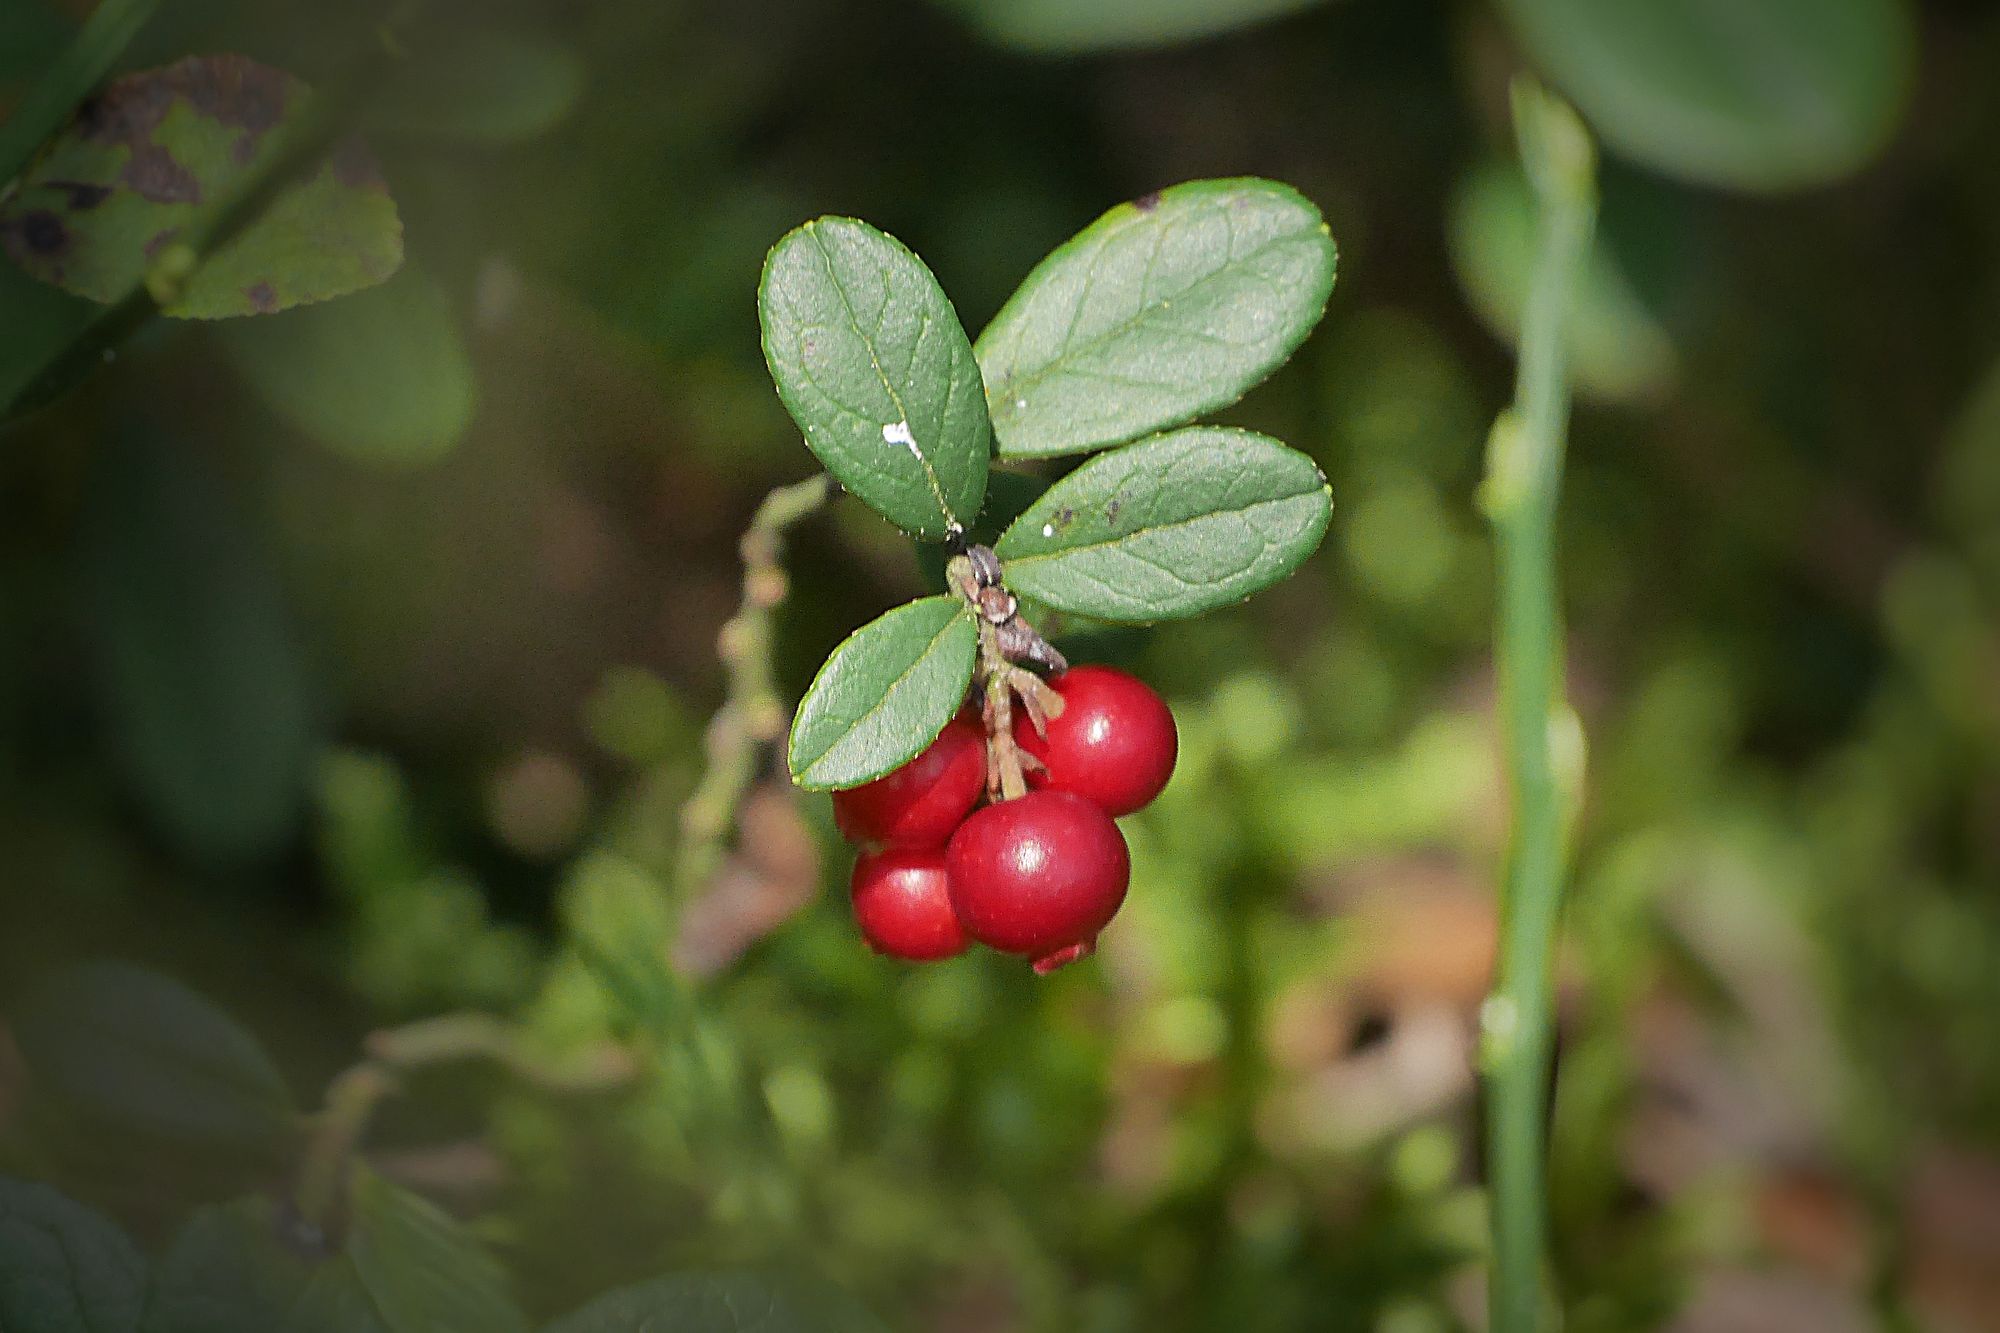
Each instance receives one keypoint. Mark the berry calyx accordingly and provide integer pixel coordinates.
(1039, 875)
(920, 803)
(902, 902)
(1114, 743)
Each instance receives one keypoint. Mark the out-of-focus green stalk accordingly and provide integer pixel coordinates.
(1523, 481)
(75, 73)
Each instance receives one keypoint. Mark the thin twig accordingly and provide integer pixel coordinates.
(358, 1091)
(1523, 481)
(752, 713)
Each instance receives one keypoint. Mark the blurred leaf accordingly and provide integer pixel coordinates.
(421, 1269)
(382, 376)
(1007, 494)
(63, 1268)
(1096, 25)
(203, 688)
(1159, 311)
(31, 33)
(720, 1303)
(226, 1272)
(336, 1301)
(1751, 94)
(40, 322)
(485, 85)
(871, 362)
(1169, 527)
(149, 154)
(1617, 349)
(137, 1052)
(884, 694)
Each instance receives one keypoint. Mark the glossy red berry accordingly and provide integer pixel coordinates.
(1114, 744)
(920, 803)
(1039, 875)
(903, 904)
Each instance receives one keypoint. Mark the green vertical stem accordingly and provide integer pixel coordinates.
(74, 76)
(1524, 477)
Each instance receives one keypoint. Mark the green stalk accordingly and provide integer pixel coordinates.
(1523, 480)
(74, 75)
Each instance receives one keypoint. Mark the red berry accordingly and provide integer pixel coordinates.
(903, 904)
(1115, 742)
(1039, 875)
(920, 803)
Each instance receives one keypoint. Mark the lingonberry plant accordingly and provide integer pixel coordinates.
(1163, 310)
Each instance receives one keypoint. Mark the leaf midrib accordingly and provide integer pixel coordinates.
(902, 408)
(1018, 385)
(929, 647)
(1205, 515)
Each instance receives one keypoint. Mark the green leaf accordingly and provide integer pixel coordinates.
(1159, 311)
(871, 362)
(40, 322)
(63, 1268)
(226, 1272)
(383, 376)
(203, 686)
(1749, 94)
(1169, 527)
(1097, 25)
(884, 694)
(421, 1269)
(485, 86)
(1617, 349)
(335, 1301)
(150, 155)
(721, 1303)
(132, 1051)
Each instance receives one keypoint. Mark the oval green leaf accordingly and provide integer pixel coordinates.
(226, 1272)
(421, 1269)
(485, 85)
(1169, 527)
(1617, 348)
(155, 154)
(884, 694)
(721, 1303)
(204, 689)
(871, 362)
(1745, 94)
(64, 1268)
(335, 1301)
(1063, 26)
(1159, 311)
(138, 1053)
(382, 376)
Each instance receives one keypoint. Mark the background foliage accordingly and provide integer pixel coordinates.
(356, 661)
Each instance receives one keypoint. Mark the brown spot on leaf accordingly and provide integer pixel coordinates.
(1111, 511)
(83, 195)
(38, 235)
(1064, 517)
(1146, 203)
(229, 90)
(157, 177)
(263, 297)
(354, 166)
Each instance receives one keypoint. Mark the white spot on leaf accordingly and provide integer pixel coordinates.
(1048, 529)
(899, 433)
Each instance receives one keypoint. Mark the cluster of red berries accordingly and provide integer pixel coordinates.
(1039, 875)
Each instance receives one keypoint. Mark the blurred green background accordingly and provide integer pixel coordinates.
(355, 662)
